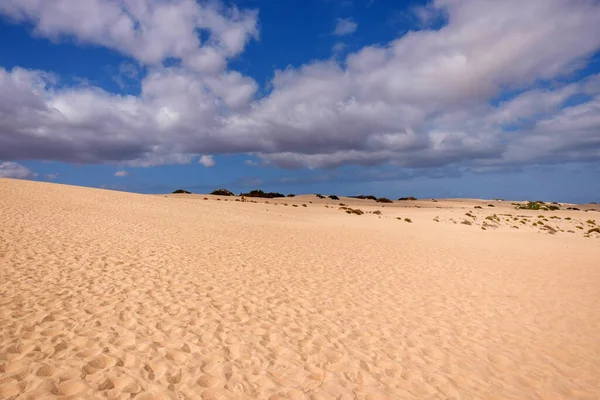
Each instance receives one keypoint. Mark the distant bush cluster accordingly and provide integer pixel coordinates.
(261, 194)
(383, 200)
(222, 192)
(181, 191)
(537, 205)
(363, 197)
(333, 197)
(407, 198)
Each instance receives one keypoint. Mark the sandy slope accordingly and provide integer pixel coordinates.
(115, 295)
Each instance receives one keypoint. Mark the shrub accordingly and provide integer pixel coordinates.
(363, 197)
(377, 212)
(303, 205)
(478, 207)
(407, 219)
(383, 200)
(181, 191)
(221, 192)
(407, 198)
(594, 230)
(354, 211)
(320, 196)
(530, 205)
(333, 197)
(553, 208)
(291, 195)
(466, 222)
(261, 194)
(491, 205)
(591, 222)
(579, 227)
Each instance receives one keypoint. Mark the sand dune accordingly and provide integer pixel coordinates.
(116, 295)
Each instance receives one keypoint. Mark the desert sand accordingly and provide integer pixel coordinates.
(116, 295)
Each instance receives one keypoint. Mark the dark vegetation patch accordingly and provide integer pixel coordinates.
(410, 198)
(333, 197)
(261, 194)
(383, 200)
(181, 191)
(222, 192)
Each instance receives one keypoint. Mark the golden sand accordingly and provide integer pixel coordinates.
(117, 295)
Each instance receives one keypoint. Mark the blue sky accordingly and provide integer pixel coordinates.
(446, 98)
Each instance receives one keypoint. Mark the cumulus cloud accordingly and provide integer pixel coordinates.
(344, 26)
(121, 173)
(207, 161)
(426, 99)
(9, 169)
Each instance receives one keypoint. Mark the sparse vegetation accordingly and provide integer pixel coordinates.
(436, 219)
(491, 205)
(591, 222)
(181, 191)
(579, 227)
(573, 208)
(354, 211)
(333, 197)
(222, 192)
(261, 194)
(291, 195)
(363, 197)
(303, 205)
(320, 196)
(410, 198)
(407, 220)
(466, 222)
(377, 212)
(478, 207)
(384, 200)
(568, 218)
(594, 230)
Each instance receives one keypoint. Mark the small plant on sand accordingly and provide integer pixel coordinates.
(491, 205)
(320, 196)
(568, 218)
(579, 227)
(410, 198)
(294, 205)
(181, 191)
(466, 222)
(377, 212)
(594, 230)
(354, 211)
(383, 200)
(342, 205)
(291, 195)
(333, 197)
(530, 205)
(483, 228)
(303, 205)
(591, 222)
(478, 207)
(206, 198)
(408, 220)
(553, 208)
(436, 219)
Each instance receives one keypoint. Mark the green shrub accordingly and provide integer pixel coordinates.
(222, 192)
(261, 194)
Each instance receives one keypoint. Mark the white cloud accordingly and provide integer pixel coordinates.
(9, 169)
(425, 99)
(149, 31)
(207, 161)
(122, 173)
(344, 26)
(52, 176)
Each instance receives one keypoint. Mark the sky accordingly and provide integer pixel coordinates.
(442, 98)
